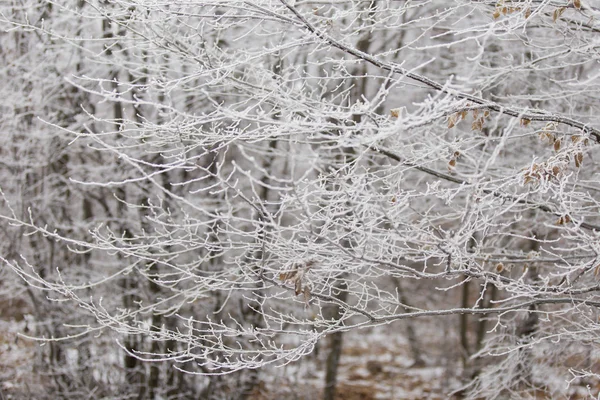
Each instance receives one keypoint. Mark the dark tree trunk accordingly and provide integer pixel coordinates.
(335, 350)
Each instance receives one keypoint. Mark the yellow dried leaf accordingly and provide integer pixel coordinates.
(504, 10)
(496, 14)
(395, 112)
(525, 121)
(527, 13)
(499, 267)
(486, 113)
(463, 114)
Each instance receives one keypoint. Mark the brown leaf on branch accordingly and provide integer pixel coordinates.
(452, 121)
(555, 170)
(307, 295)
(298, 286)
(578, 159)
(290, 275)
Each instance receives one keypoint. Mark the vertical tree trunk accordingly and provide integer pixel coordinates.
(465, 351)
(335, 350)
(413, 341)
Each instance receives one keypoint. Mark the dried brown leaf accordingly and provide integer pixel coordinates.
(557, 13)
(557, 145)
(452, 121)
(577, 4)
(578, 159)
(287, 276)
(307, 295)
(547, 135)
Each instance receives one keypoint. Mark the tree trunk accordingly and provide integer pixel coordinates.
(335, 350)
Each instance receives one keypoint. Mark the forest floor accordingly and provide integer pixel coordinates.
(376, 365)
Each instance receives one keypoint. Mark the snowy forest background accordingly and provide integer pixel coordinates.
(278, 199)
